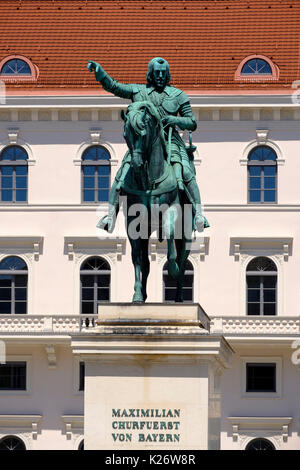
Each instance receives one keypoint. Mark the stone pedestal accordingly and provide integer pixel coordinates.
(152, 377)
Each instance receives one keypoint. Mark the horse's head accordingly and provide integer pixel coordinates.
(142, 126)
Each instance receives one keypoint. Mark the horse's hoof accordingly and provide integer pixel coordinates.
(138, 298)
(106, 223)
(173, 269)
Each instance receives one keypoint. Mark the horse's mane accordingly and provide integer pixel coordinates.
(134, 113)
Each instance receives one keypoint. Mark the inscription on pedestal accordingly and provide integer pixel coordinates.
(145, 425)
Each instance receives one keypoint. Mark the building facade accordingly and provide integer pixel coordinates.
(61, 145)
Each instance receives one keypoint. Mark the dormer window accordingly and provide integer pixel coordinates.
(15, 67)
(18, 68)
(257, 68)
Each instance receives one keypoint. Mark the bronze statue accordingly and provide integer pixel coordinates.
(157, 169)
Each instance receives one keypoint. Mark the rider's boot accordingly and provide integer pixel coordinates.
(200, 221)
(108, 221)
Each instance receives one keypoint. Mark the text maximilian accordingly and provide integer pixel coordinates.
(145, 413)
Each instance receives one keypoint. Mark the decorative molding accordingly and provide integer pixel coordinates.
(262, 136)
(256, 328)
(262, 139)
(13, 134)
(21, 423)
(258, 424)
(236, 250)
(95, 136)
(95, 245)
(71, 254)
(261, 246)
(51, 356)
(73, 425)
(20, 244)
(153, 251)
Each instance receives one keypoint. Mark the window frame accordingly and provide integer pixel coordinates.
(81, 381)
(15, 273)
(11, 377)
(262, 275)
(261, 360)
(262, 164)
(97, 164)
(27, 391)
(14, 164)
(257, 77)
(100, 272)
(13, 436)
(243, 74)
(34, 71)
(256, 439)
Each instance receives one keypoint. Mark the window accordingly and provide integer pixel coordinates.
(261, 279)
(256, 66)
(261, 377)
(95, 174)
(13, 376)
(170, 284)
(15, 67)
(260, 444)
(81, 376)
(13, 286)
(81, 445)
(13, 174)
(95, 284)
(262, 175)
(12, 443)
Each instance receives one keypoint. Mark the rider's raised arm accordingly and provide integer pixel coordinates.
(122, 90)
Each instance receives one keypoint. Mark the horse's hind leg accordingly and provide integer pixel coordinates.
(182, 255)
(169, 223)
(145, 266)
(136, 256)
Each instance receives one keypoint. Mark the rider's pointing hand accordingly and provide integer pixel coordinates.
(97, 68)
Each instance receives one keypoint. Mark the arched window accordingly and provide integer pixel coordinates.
(13, 286)
(261, 278)
(13, 174)
(15, 67)
(169, 284)
(81, 445)
(256, 66)
(262, 175)
(12, 443)
(260, 444)
(95, 174)
(95, 284)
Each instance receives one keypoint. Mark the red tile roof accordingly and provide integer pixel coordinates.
(203, 40)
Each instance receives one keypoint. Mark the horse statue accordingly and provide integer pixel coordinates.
(151, 189)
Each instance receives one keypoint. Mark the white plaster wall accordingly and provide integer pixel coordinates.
(233, 404)
(52, 396)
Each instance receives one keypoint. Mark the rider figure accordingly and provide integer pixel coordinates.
(169, 101)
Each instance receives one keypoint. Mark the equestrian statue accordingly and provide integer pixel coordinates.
(157, 174)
